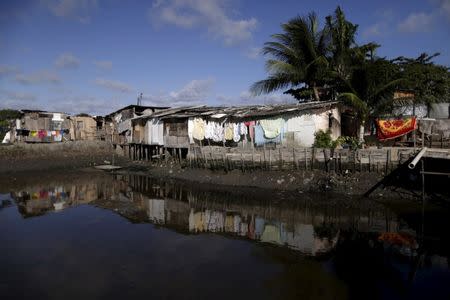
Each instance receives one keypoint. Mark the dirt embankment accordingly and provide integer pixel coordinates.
(31, 160)
(57, 156)
(286, 180)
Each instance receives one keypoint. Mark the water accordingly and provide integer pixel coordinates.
(99, 236)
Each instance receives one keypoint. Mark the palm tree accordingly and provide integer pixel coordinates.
(342, 47)
(299, 58)
(370, 88)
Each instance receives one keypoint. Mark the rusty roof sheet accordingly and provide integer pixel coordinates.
(236, 112)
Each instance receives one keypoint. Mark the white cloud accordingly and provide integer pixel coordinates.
(195, 92)
(253, 53)
(39, 77)
(444, 8)
(416, 22)
(16, 100)
(113, 85)
(8, 70)
(210, 14)
(381, 26)
(103, 64)
(246, 97)
(67, 61)
(79, 104)
(79, 10)
(374, 30)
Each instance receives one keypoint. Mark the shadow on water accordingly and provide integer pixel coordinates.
(326, 246)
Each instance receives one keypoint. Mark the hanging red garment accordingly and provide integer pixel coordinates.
(251, 128)
(393, 128)
(42, 134)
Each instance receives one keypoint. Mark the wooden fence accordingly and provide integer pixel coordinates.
(283, 158)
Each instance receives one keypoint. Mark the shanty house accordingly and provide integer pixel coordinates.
(118, 125)
(83, 127)
(42, 126)
(292, 124)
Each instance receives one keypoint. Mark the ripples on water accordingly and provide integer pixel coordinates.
(85, 236)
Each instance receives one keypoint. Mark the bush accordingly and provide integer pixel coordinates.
(351, 142)
(323, 140)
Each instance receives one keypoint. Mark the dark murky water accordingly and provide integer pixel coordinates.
(98, 236)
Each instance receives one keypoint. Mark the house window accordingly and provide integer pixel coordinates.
(79, 124)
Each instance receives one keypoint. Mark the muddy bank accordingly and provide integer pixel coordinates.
(57, 156)
(298, 181)
(35, 160)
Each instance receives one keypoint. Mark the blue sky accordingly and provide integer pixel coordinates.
(96, 56)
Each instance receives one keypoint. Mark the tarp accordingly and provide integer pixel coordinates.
(155, 132)
(393, 128)
(124, 126)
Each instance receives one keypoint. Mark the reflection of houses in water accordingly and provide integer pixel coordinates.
(309, 225)
(39, 200)
(303, 224)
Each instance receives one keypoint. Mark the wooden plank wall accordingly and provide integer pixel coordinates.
(272, 158)
(284, 158)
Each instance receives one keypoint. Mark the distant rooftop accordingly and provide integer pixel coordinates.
(139, 108)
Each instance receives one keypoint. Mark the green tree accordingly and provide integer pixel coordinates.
(299, 58)
(370, 89)
(343, 49)
(6, 115)
(430, 82)
(308, 60)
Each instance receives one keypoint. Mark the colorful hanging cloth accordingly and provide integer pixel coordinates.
(229, 131)
(198, 131)
(251, 129)
(393, 128)
(272, 127)
(42, 134)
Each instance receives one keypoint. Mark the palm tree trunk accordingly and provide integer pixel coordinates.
(361, 132)
(315, 91)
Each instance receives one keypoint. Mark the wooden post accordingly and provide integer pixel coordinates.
(270, 160)
(386, 168)
(313, 156)
(423, 139)
(340, 162)
(166, 155)
(306, 159)
(224, 162)
(281, 158)
(360, 165)
(253, 157)
(190, 155)
(294, 162)
(264, 151)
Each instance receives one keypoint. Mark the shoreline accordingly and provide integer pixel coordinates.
(31, 161)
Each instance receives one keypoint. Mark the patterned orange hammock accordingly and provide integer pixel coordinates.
(392, 128)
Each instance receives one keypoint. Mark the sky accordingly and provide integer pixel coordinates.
(95, 56)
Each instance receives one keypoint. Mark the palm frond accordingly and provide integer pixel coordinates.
(355, 102)
(280, 67)
(273, 83)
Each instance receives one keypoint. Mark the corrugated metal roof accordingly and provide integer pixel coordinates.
(238, 112)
